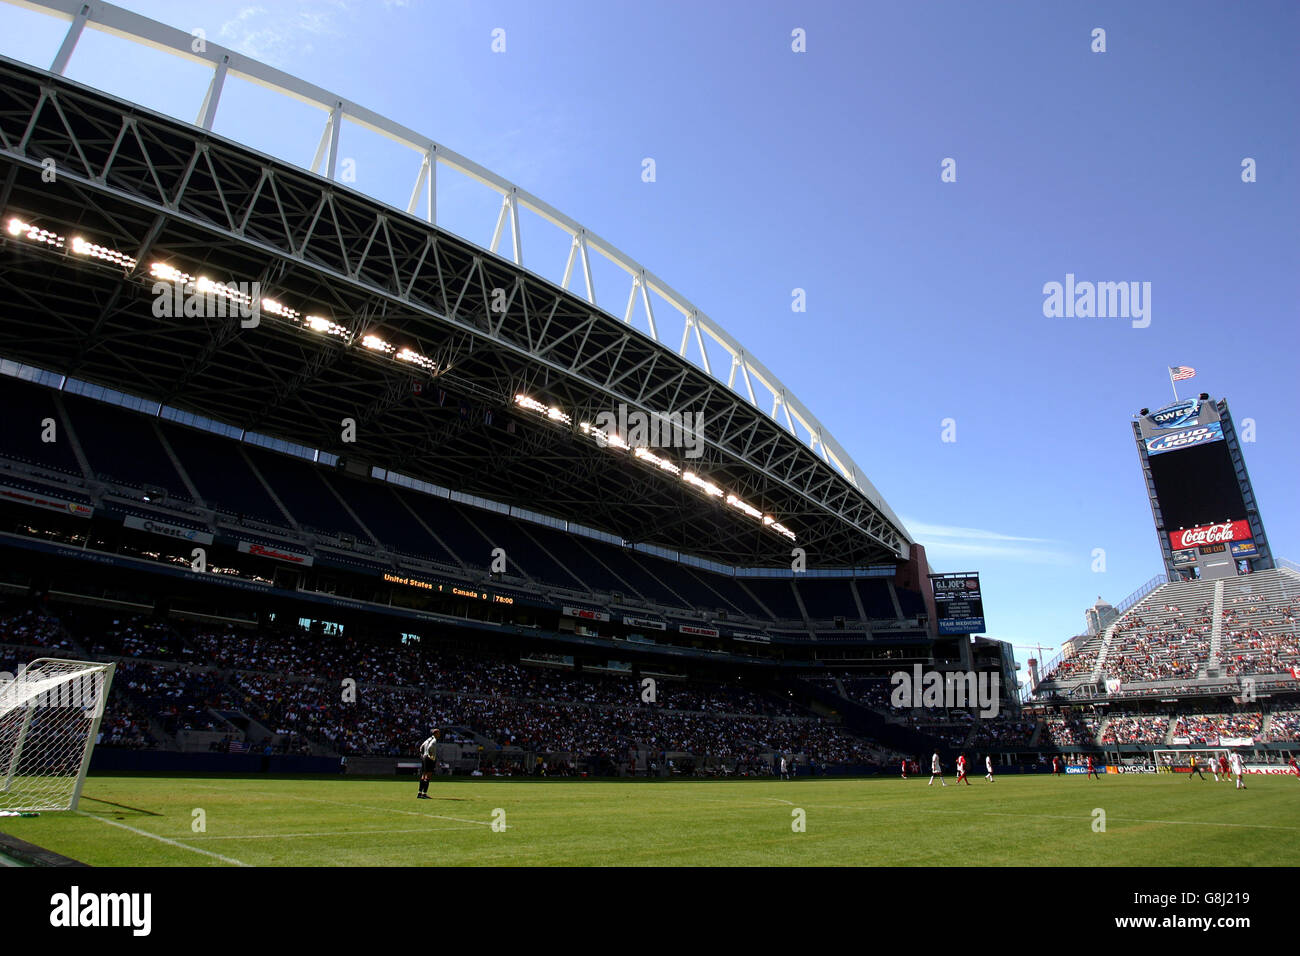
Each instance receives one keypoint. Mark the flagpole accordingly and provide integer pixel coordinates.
(1172, 383)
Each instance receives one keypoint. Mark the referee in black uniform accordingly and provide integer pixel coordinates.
(428, 763)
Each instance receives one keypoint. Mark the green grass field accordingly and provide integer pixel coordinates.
(258, 821)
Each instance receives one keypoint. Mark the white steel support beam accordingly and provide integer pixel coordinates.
(208, 112)
(70, 40)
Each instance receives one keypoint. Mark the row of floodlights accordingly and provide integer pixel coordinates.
(608, 439)
(205, 286)
(375, 343)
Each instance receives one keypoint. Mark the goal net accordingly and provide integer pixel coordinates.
(1180, 761)
(49, 719)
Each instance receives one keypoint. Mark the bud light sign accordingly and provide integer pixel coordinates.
(1185, 438)
(1210, 534)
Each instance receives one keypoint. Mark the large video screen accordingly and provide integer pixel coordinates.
(957, 603)
(1197, 486)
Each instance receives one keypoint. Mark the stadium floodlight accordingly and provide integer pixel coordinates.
(653, 459)
(273, 307)
(708, 487)
(77, 244)
(161, 270)
(84, 248)
(376, 344)
(744, 506)
(550, 412)
(415, 358)
(49, 719)
(17, 227)
(207, 287)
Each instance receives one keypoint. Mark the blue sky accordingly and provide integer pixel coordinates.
(820, 170)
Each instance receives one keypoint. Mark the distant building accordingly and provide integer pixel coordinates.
(1099, 616)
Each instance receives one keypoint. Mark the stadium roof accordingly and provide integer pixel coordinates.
(457, 365)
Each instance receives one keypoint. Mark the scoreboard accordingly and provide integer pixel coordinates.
(1207, 521)
(959, 608)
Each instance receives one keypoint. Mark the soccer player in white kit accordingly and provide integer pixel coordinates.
(988, 765)
(428, 763)
(1238, 769)
(936, 771)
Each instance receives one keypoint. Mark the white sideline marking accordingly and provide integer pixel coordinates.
(163, 839)
(328, 833)
(1062, 816)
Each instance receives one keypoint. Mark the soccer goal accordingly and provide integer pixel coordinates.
(49, 719)
(1175, 760)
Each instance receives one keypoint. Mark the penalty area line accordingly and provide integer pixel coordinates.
(162, 839)
(409, 813)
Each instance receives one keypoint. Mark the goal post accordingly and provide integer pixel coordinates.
(1177, 760)
(50, 714)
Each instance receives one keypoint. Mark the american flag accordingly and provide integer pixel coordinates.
(1180, 372)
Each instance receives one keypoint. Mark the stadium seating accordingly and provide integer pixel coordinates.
(275, 498)
(27, 406)
(189, 677)
(1136, 729)
(219, 471)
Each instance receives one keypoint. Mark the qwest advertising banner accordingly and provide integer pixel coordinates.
(1185, 438)
(1210, 534)
(1176, 415)
(167, 530)
(957, 602)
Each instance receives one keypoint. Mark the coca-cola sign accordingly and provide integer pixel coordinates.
(1209, 534)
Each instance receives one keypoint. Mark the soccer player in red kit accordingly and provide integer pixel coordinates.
(904, 769)
(1056, 766)
(1092, 770)
(961, 769)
